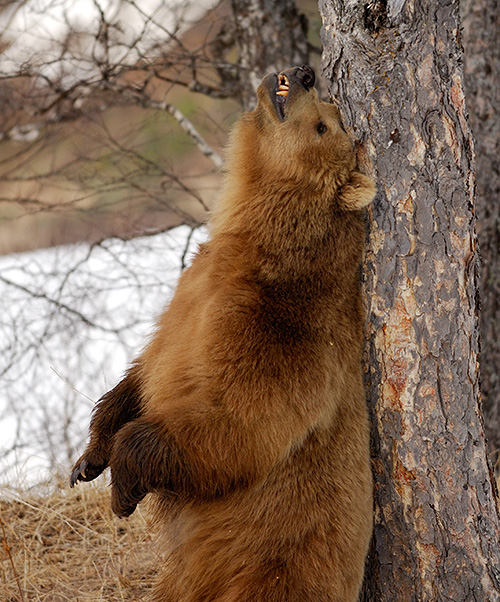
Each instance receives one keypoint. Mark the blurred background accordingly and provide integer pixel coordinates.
(113, 119)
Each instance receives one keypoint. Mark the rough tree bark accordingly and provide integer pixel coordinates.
(481, 35)
(396, 67)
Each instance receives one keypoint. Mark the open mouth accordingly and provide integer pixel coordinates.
(283, 88)
(281, 94)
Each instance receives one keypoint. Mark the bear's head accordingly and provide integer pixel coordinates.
(292, 146)
(301, 136)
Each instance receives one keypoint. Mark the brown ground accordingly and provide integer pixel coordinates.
(68, 546)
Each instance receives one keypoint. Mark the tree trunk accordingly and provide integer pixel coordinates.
(271, 35)
(481, 35)
(395, 66)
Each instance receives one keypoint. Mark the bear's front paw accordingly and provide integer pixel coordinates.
(88, 467)
(128, 464)
(124, 499)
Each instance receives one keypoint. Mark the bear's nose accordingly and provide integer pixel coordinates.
(305, 75)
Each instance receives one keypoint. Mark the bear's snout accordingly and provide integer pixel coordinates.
(286, 85)
(303, 75)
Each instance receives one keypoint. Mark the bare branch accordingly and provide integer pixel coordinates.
(58, 304)
(185, 124)
(188, 127)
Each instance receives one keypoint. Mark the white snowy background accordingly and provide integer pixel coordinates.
(71, 319)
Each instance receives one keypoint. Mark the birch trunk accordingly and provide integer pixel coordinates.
(396, 67)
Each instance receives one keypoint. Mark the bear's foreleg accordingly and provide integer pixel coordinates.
(139, 464)
(112, 411)
(198, 456)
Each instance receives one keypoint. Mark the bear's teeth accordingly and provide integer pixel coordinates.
(283, 87)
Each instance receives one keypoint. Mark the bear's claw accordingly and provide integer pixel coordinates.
(84, 470)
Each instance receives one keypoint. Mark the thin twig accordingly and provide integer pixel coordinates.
(186, 249)
(67, 383)
(6, 548)
(58, 304)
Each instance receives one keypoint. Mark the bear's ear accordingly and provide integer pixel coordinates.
(357, 193)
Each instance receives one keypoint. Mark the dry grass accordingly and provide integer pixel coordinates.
(68, 546)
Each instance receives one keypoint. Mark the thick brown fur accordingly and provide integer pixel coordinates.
(245, 414)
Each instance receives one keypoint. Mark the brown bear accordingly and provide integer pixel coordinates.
(245, 414)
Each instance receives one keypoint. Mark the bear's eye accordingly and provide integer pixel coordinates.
(321, 128)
